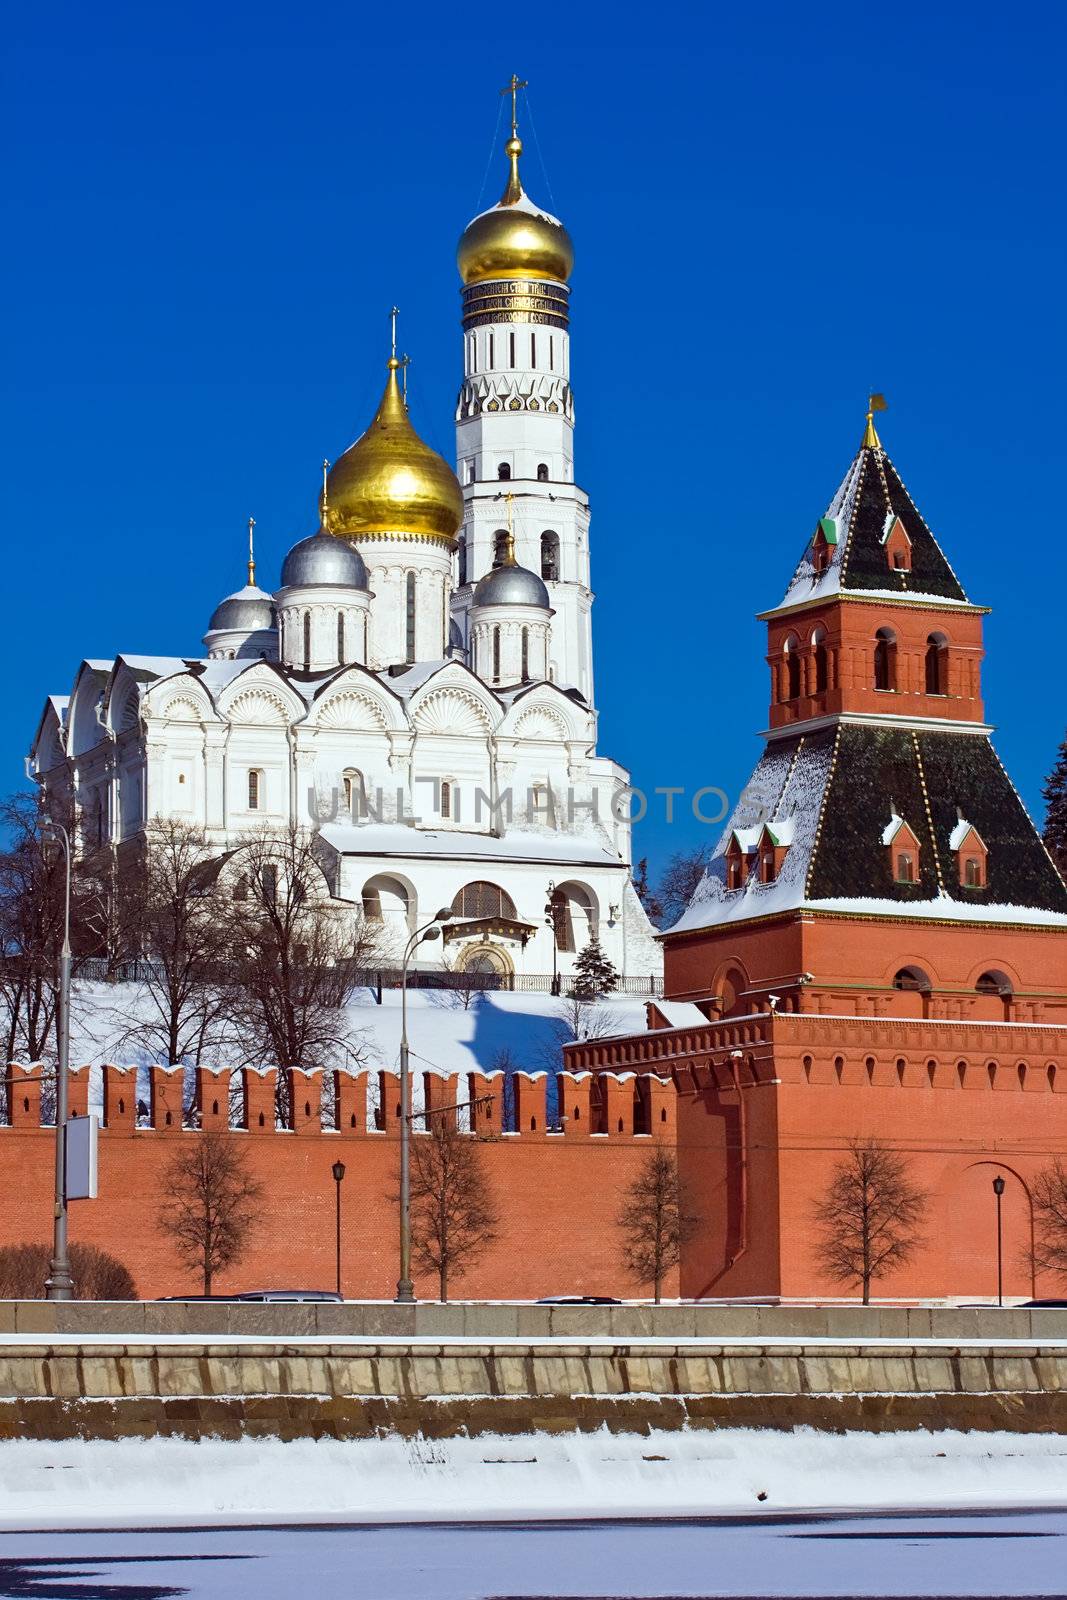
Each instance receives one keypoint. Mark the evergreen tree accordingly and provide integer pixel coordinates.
(594, 974)
(1055, 793)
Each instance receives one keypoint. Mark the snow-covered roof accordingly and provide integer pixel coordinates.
(960, 832)
(519, 844)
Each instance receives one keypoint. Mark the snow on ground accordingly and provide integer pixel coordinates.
(690, 1473)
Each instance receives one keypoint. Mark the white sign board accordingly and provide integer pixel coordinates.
(81, 1157)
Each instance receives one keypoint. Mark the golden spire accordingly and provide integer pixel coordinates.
(251, 554)
(871, 441)
(513, 192)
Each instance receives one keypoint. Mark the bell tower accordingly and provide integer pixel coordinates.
(515, 418)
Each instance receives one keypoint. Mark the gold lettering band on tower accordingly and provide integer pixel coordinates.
(518, 300)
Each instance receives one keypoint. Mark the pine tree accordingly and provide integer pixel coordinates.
(594, 974)
(1055, 793)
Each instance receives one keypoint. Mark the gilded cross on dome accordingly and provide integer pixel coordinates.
(512, 89)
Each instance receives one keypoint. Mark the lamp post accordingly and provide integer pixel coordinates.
(550, 923)
(405, 1289)
(998, 1190)
(338, 1174)
(60, 1285)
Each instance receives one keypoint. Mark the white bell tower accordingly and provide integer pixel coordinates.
(515, 419)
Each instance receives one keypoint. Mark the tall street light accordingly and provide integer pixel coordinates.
(550, 922)
(338, 1175)
(60, 1285)
(998, 1190)
(405, 1289)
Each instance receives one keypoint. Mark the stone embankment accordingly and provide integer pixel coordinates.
(110, 1371)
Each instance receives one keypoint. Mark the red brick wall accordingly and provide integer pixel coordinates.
(558, 1193)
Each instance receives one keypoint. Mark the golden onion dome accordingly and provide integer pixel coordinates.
(389, 483)
(515, 238)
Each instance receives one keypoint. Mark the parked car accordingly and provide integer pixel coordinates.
(578, 1300)
(290, 1295)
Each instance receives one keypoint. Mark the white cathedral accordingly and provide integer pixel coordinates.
(419, 688)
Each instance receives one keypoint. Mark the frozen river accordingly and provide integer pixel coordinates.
(1016, 1553)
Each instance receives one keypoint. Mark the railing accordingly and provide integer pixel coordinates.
(97, 969)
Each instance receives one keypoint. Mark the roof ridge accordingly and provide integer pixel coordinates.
(843, 569)
(914, 504)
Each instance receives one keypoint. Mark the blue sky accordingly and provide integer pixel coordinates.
(774, 209)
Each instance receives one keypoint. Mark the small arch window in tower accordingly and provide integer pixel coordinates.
(885, 660)
(496, 654)
(525, 673)
(255, 788)
(307, 641)
(500, 547)
(822, 664)
(905, 866)
(409, 652)
(446, 800)
(550, 556)
(511, 338)
(503, 471)
(937, 664)
(972, 872)
(542, 472)
(792, 667)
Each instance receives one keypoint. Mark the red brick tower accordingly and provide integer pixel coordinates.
(879, 946)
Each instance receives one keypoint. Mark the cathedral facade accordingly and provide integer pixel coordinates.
(418, 689)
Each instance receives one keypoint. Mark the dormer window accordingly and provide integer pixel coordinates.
(897, 544)
(903, 846)
(823, 544)
(766, 866)
(773, 846)
(972, 857)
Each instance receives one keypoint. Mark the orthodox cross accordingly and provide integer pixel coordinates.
(251, 553)
(512, 89)
(394, 313)
(405, 362)
(509, 497)
(325, 471)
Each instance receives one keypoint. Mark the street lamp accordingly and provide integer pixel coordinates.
(338, 1174)
(998, 1190)
(60, 1285)
(550, 922)
(405, 1290)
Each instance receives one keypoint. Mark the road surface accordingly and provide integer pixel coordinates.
(1016, 1553)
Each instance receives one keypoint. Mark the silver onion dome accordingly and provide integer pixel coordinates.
(510, 585)
(323, 558)
(250, 610)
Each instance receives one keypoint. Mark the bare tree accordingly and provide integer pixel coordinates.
(655, 1220)
(453, 1217)
(645, 892)
(297, 956)
(32, 880)
(24, 1271)
(1048, 1194)
(174, 920)
(871, 1220)
(465, 985)
(210, 1202)
(679, 882)
(578, 1017)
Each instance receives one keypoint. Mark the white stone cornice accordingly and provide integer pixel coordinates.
(865, 719)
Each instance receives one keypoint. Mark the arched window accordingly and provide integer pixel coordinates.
(766, 866)
(792, 667)
(533, 349)
(496, 654)
(542, 472)
(355, 793)
(525, 655)
(885, 659)
(912, 979)
(446, 800)
(500, 547)
(410, 618)
(268, 883)
(340, 638)
(462, 561)
(503, 471)
(822, 674)
(994, 983)
(254, 789)
(550, 556)
(512, 348)
(480, 900)
(562, 922)
(905, 862)
(972, 872)
(937, 664)
(307, 641)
